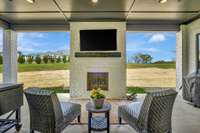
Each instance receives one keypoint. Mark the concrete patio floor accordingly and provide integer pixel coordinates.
(186, 119)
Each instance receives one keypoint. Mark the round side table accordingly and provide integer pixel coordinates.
(98, 123)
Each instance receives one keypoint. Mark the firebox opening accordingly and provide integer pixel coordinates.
(97, 80)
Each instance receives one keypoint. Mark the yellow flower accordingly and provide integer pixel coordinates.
(97, 93)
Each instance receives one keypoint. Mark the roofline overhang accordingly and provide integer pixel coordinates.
(131, 26)
(40, 27)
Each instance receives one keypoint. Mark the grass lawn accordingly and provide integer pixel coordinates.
(161, 66)
(129, 90)
(65, 66)
(57, 89)
(40, 67)
(135, 90)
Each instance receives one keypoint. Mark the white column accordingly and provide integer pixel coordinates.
(9, 56)
(181, 56)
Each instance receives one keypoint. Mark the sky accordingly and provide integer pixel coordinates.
(160, 45)
(37, 42)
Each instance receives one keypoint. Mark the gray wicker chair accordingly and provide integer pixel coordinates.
(47, 114)
(191, 88)
(153, 115)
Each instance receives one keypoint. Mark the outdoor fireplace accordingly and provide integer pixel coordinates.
(98, 62)
(97, 80)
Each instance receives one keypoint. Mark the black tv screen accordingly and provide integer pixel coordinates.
(98, 40)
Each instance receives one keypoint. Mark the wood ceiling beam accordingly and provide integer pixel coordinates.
(130, 8)
(60, 10)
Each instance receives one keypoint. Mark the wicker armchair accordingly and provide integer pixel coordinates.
(47, 114)
(153, 115)
(191, 88)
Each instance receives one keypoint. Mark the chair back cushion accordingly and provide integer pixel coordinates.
(156, 112)
(44, 107)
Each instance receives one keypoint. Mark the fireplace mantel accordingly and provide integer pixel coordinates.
(97, 54)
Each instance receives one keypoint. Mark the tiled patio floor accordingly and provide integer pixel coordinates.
(186, 119)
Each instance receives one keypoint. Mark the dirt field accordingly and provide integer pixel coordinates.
(144, 77)
(151, 77)
(44, 78)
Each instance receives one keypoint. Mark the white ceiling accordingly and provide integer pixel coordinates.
(46, 11)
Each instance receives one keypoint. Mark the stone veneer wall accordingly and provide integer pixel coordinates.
(116, 66)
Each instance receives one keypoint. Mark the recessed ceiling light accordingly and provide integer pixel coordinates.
(30, 1)
(94, 1)
(162, 1)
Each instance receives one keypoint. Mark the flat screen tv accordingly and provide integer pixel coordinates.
(98, 40)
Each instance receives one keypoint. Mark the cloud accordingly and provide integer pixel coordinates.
(28, 41)
(24, 35)
(135, 43)
(34, 42)
(31, 47)
(140, 47)
(143, 50)
(40, 35)
(152, 50)
(156, 38)
(64, 47)
(25, 49)
(30, 37)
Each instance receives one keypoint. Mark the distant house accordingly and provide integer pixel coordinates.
(55, 55)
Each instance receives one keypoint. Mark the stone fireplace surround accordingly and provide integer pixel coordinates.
(82, 65)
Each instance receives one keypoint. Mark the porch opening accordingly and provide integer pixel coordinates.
(43, 60)
(151, 60)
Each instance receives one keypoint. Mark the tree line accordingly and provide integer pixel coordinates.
(22, 59)
(141, 58)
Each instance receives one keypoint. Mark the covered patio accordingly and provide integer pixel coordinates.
(184, 120)
(180, 16)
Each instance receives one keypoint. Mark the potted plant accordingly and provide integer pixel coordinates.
(97, 98)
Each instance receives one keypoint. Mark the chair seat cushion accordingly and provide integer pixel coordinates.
(70, 110)
(132, 109)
